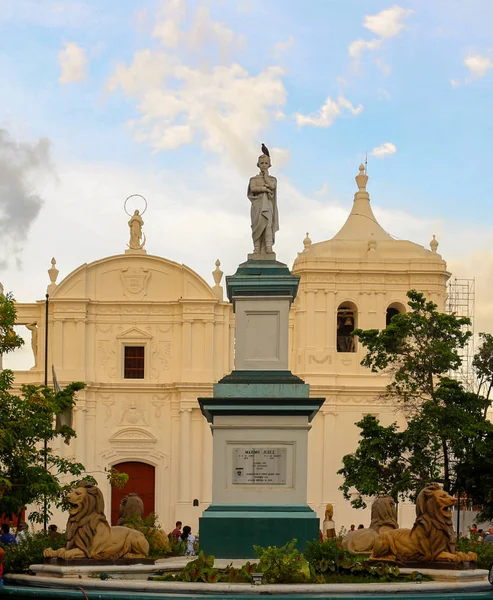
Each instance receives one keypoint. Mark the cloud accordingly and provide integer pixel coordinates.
(384, 150)
(323, 190)
(389, 22)
(281, 47)
(223, 107)
(73, 63)
(201, 30)
(478, 65)
(386, 24)
(357, 47)
(22, 165)
(327, 113)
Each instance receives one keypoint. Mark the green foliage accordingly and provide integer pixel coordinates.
(9, 340)
(201, 569)
(420, 346)
(29, 468)
(282, 565)
(484, 551)
(18, 558)
(388, 461)
(329, 561)
(328, 555)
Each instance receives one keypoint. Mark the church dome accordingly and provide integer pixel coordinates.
(363, 238)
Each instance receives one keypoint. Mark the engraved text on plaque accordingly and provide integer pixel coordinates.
(259, 466)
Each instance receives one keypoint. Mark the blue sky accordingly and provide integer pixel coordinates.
(173, 98)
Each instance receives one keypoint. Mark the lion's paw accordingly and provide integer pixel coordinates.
(50, 553)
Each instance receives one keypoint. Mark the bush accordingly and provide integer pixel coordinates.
(484, 551)
(330, 562)
(282, 565)
(29, 552)
(330, 551)
(202, 569)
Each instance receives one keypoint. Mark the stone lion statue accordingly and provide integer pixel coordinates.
(383, 518)
(89, 534)
(432, 537)
(133, 506)
(130, 506)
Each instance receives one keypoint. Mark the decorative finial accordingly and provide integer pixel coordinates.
(361, 179)
(307, 242)
(137, 237)
(434, 244)
(53, 274)
(217, 274)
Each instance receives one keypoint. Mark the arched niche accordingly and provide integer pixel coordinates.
(347, 322)
(396, 308)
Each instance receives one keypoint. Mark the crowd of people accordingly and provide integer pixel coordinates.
(480, 535)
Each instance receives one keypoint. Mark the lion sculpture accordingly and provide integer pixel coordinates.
(383, 518)
(432, 537)
(89, 534)
(130, 506)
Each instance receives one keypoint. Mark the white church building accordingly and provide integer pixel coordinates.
(149, 336)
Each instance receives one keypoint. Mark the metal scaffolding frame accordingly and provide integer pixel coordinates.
(460, 301)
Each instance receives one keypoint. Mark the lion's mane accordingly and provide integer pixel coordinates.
(81, 527)
(433, 526)
(383, 514)
(130, 506)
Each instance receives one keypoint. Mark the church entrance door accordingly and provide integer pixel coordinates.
(141, 481)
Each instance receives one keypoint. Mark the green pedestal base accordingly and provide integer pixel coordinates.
(231, 531)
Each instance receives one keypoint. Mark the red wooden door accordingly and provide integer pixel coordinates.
(141, 480)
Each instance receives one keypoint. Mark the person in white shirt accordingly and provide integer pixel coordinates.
(22, 530)
(189, 539)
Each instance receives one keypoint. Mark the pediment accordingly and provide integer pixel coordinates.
(134, 435)
(134, 333)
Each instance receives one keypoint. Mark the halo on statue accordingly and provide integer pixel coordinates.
(135, 196)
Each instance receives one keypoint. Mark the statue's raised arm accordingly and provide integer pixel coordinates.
(262, 193)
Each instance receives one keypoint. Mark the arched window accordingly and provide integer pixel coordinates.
(347, 314)
(396, 308)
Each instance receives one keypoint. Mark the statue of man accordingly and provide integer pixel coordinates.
(136, 222)
(33, 328)
(262, 192)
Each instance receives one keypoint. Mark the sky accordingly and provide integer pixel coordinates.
(171, 99)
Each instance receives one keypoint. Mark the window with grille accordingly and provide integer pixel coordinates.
(134, 362)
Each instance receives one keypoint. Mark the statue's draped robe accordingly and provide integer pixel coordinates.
(264, 207)
(135, 225)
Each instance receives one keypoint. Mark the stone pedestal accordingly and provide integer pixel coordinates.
(260, 417)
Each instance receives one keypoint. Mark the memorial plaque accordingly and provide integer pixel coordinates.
(259, 466)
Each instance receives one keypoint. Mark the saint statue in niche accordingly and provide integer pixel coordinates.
(262, 193)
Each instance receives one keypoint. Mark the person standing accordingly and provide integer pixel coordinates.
(177, 530)
(22, 530)
(189, 539)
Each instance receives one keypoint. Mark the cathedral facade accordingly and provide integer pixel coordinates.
(149, 336)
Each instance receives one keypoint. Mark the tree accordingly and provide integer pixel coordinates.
(448, 436)
(419, 349)
(388, 461)
(27, 432)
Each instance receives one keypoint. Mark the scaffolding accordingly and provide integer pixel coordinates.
(460, 301)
